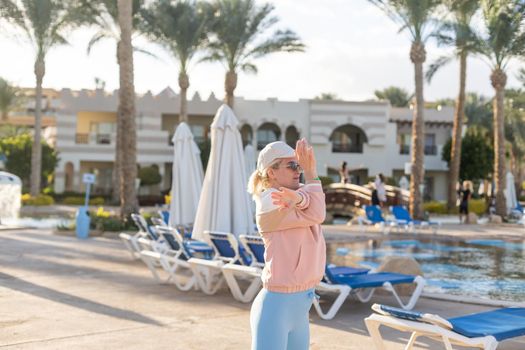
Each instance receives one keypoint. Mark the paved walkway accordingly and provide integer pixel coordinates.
(58, 292)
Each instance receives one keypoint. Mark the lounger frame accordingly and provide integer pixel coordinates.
(421, 329)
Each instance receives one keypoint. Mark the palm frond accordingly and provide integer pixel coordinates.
(286, 41)
(146, 52)
(180, 27)
(412, 15)
(436, 65)
(505, 23)
(237, 30)
(95, 39)
(249, 68)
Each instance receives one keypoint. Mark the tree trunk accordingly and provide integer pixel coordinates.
(455, 153)
(36, 152)
(115, 194)
(417, 56)
(230, 83)
(128, 172)
(184, 84)
(499, 80)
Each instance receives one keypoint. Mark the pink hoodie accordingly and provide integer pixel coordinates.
(295, 251)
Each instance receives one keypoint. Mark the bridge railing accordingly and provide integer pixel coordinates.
(348, 199)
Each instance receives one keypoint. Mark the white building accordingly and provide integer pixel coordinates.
(372, 137)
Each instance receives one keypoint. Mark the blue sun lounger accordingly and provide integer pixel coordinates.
(172, 254)
(374, 217)
(231, 263)
(481, 330)
(363, 285)
(403, 218)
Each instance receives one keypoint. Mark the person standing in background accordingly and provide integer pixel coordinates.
(465, 195)
(379, 185)
(343, 173)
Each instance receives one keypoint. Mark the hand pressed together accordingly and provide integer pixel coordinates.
(306, 159)
(286, 198)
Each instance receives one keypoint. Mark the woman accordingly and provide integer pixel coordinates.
(465, 194)
(379, 185)
(288, 217)
(343, 173)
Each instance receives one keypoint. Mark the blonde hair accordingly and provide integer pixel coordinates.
(259, 181)
(468, 185)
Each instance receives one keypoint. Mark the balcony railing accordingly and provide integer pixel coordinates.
(82, 139)
(103, 139)
(430, 150)
(99, 139)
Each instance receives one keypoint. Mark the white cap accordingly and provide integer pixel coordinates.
(273, 151)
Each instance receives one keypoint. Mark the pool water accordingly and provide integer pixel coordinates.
(44, 223)
(488, 269)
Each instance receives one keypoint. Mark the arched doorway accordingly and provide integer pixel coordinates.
(291, 136)
(348, 139)
(267, 132)
(246, 135)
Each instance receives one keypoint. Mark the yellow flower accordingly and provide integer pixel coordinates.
(102, 213)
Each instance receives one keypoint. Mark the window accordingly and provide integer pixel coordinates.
(267, 133)
(246, 135)
(348, 139)
(198, 133)
(103, 132)
(430, 144)
(405, 140)
(291, 136)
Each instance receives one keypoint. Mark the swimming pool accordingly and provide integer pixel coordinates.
(28, 222)
(488, 269)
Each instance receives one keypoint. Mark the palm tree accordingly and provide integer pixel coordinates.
(181, 28)
(9, 98)
(414, 16)
(104, 14)
(398, 97)
(237, 27)
(44, 23)
(458, 34)
(126, 113)
(505, 40)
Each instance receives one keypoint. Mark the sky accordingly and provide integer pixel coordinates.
(352, 50)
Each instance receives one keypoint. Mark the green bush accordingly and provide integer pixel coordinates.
(96, 201)
(435, 207)
(81, 200)
(107, 224)
(149, 176)
(17, 150)
(41, 199)
(326, 180)
(477, 206)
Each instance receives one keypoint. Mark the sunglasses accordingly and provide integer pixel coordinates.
(294, 166)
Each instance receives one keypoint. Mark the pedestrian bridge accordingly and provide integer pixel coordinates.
(348, 199)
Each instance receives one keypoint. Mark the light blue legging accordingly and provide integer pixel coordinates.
(279, 321)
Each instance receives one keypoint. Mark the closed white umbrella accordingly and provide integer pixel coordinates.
(224, 203)
(250, 161)
(510, 193)
(187, 177)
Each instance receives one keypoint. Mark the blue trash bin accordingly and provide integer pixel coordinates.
(83, 221)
